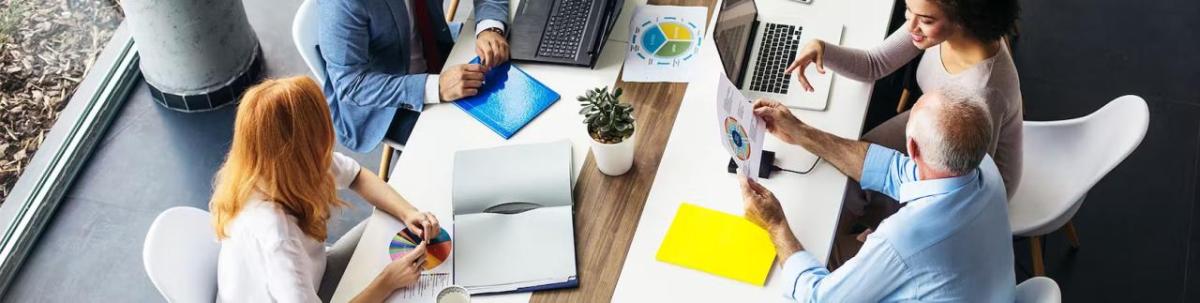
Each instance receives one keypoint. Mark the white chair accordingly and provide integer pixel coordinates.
(304, 32)
(180, 255)
(1038, 290)
(1063, 160)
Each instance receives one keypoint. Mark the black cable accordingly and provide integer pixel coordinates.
(805, 172)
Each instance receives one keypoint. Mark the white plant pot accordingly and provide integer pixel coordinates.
(614, 159)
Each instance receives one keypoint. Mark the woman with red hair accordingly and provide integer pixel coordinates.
(274, 195)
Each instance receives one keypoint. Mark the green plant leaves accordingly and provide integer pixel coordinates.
(608, 120)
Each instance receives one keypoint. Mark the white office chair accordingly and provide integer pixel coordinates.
(304, 32)
(180, 255)
(1063, 160)
(1038, 290)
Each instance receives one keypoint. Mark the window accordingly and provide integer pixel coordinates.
(65, 68)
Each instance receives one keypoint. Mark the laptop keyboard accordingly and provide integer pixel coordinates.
(564, 29)
(777, 50)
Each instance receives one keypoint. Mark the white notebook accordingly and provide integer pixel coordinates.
(513, 223)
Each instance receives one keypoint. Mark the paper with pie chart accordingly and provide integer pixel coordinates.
(436, 251)
(663, 43)
(742, 133)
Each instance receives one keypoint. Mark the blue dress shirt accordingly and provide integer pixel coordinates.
(951, 242)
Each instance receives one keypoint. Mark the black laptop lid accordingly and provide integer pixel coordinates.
(733, 34)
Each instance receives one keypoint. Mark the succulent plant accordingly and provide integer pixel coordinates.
(608, 120)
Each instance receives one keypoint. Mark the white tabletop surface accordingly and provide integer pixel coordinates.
(423, 172)
(693, 169)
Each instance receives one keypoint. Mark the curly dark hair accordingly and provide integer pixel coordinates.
(986, 20)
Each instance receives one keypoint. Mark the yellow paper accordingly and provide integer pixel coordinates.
(718, 243)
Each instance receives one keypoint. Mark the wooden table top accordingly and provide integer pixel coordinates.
(607, 209)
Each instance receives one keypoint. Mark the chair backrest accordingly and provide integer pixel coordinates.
(1038, 290)
(1064, 159)
(180, 255)
(304, 31)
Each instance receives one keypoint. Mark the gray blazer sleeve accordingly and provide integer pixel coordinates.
(491, 9)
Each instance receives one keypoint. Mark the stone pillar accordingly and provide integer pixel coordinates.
(197, 55)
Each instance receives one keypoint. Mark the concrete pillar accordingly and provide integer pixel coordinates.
(197, 55)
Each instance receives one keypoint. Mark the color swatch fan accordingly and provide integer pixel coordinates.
(436, 251)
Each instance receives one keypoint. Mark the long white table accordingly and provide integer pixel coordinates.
(693, 169)
(423, 172)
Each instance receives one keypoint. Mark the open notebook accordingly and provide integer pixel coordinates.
(513, 223)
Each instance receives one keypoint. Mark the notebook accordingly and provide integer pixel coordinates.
(718, 243)
(508, 99)
(513, 224)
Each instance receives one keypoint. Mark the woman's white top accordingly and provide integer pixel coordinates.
(267, 258)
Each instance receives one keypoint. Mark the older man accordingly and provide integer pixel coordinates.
(952, 240)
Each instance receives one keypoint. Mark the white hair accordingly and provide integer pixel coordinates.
(955, 133)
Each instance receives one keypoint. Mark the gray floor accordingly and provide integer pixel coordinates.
(150, 159)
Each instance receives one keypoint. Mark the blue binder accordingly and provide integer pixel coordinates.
(508, 100)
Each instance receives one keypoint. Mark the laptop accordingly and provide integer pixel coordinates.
(756, 51)
(570, 32)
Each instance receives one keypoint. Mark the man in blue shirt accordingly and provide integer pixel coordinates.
(382, 58)
(951, 241)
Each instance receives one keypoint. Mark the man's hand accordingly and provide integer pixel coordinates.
(460, 81)
(780, 121)
(492, 48)
(764, 210)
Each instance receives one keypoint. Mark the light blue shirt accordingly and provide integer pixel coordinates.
(951, 242)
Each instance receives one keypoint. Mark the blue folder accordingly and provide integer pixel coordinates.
(508, 100)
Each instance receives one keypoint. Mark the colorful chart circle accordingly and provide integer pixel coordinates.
(436, 251)
(666, 41)
(737, 138)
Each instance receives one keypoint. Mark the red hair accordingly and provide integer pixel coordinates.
(282, 148)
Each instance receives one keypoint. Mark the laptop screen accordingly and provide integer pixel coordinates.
(732, 35)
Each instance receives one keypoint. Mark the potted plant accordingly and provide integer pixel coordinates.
(610, 124)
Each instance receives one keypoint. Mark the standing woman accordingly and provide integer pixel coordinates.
(963, 42)
(274, 196)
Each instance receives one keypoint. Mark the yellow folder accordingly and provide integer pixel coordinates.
(718, 243)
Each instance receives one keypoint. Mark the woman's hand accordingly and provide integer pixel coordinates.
(813, 52)
(401, 273)
(424, 224)
(405, 271)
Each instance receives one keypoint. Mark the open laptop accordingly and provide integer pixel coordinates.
(755, 52)
(569, 32)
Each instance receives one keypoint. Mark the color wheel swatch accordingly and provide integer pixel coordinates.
(436, 251)
(737, 138)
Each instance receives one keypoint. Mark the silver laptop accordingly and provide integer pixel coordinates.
(755, 51)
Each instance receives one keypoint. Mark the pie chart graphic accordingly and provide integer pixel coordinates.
(666, 41)
(737, 138)
(436, 251)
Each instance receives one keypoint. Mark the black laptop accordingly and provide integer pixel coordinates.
(569, 32)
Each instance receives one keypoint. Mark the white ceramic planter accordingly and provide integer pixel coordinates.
(614, 159)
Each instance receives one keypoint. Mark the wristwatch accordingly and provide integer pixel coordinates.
(495, 30)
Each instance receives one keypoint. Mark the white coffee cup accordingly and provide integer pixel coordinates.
(454, 294)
